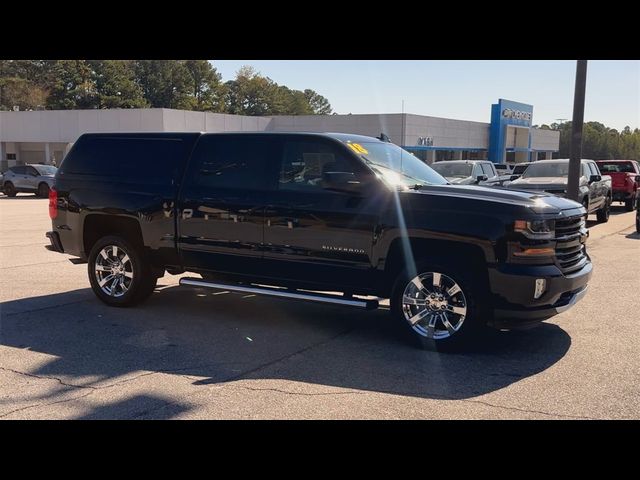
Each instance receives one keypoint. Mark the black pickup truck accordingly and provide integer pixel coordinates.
(332, 218)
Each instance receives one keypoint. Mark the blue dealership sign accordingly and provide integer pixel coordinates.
(503, 114)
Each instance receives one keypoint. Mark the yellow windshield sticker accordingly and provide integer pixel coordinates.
(356, 147)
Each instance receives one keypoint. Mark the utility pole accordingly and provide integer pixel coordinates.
(576, 131)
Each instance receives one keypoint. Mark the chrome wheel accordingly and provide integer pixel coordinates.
(434, 305)
(113, 271)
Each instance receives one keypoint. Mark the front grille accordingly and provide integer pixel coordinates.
(570, 252)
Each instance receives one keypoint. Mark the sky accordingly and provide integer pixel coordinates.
(461, 89)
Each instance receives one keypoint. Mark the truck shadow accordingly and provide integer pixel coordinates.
(221, 337)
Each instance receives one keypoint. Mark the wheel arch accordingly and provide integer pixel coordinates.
(455, 254)
(96, 226)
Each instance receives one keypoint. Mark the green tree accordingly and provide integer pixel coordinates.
(207, 89)
(251, 94)
(73, 85)
(116, 84)
(165, 83)
(21, 93)
(319, 104)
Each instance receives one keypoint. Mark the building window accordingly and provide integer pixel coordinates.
(11, 156)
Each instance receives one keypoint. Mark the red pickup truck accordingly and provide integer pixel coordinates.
(625, 180)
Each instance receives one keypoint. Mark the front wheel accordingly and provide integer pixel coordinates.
(630, 204)
(119, 273)
(603, 213)
(437, 307)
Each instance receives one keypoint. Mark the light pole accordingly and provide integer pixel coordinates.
(575, 154)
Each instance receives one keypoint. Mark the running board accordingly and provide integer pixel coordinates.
(281, 292)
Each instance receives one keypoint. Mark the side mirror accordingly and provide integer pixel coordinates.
(341, 182)
(481, 178)
(637, 178)
(595, 178)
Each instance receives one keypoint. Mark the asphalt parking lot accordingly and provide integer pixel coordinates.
(189, 353)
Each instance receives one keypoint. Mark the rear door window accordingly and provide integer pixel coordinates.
(19, 170)
(233, 162)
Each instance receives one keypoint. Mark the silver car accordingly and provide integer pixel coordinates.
(467, 172)
(36, 179)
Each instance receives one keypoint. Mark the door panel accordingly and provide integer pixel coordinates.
(31, 178)
(313, 234)
(596, 197)
(221, 214)
(19, 176)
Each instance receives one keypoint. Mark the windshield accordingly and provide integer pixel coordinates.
(547, 169)
(46, 169)
(448, 169)
(616, 167)
(397, 166)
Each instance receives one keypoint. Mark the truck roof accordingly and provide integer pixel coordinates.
(342, 137)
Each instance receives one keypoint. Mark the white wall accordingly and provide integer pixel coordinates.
(372, 125)
(446, 132)
(545, 139)
(65, 126)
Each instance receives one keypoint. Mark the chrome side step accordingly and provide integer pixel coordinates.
(281, 292)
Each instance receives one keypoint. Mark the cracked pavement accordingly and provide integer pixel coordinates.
(190, 353)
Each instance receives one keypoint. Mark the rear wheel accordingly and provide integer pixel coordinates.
(603, 213)
(9, 189)
(43, 190)
(119, 273)
(437, 307)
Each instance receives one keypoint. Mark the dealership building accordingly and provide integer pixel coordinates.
(45, 136)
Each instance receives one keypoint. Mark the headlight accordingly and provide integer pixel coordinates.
(583, 222)
(536, 229)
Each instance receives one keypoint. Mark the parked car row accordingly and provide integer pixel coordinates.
(30, 178)
(601, 182)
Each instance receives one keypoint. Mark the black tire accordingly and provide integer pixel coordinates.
(638, 220)
(43, 190)
(142, 281)
(603, 213)
(473, 328)
(630, 204)
(9, 189)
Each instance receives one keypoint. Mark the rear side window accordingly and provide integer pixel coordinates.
(20, 170)
(487, 170)
(616, 167)
(145, 159)
(233, 161)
